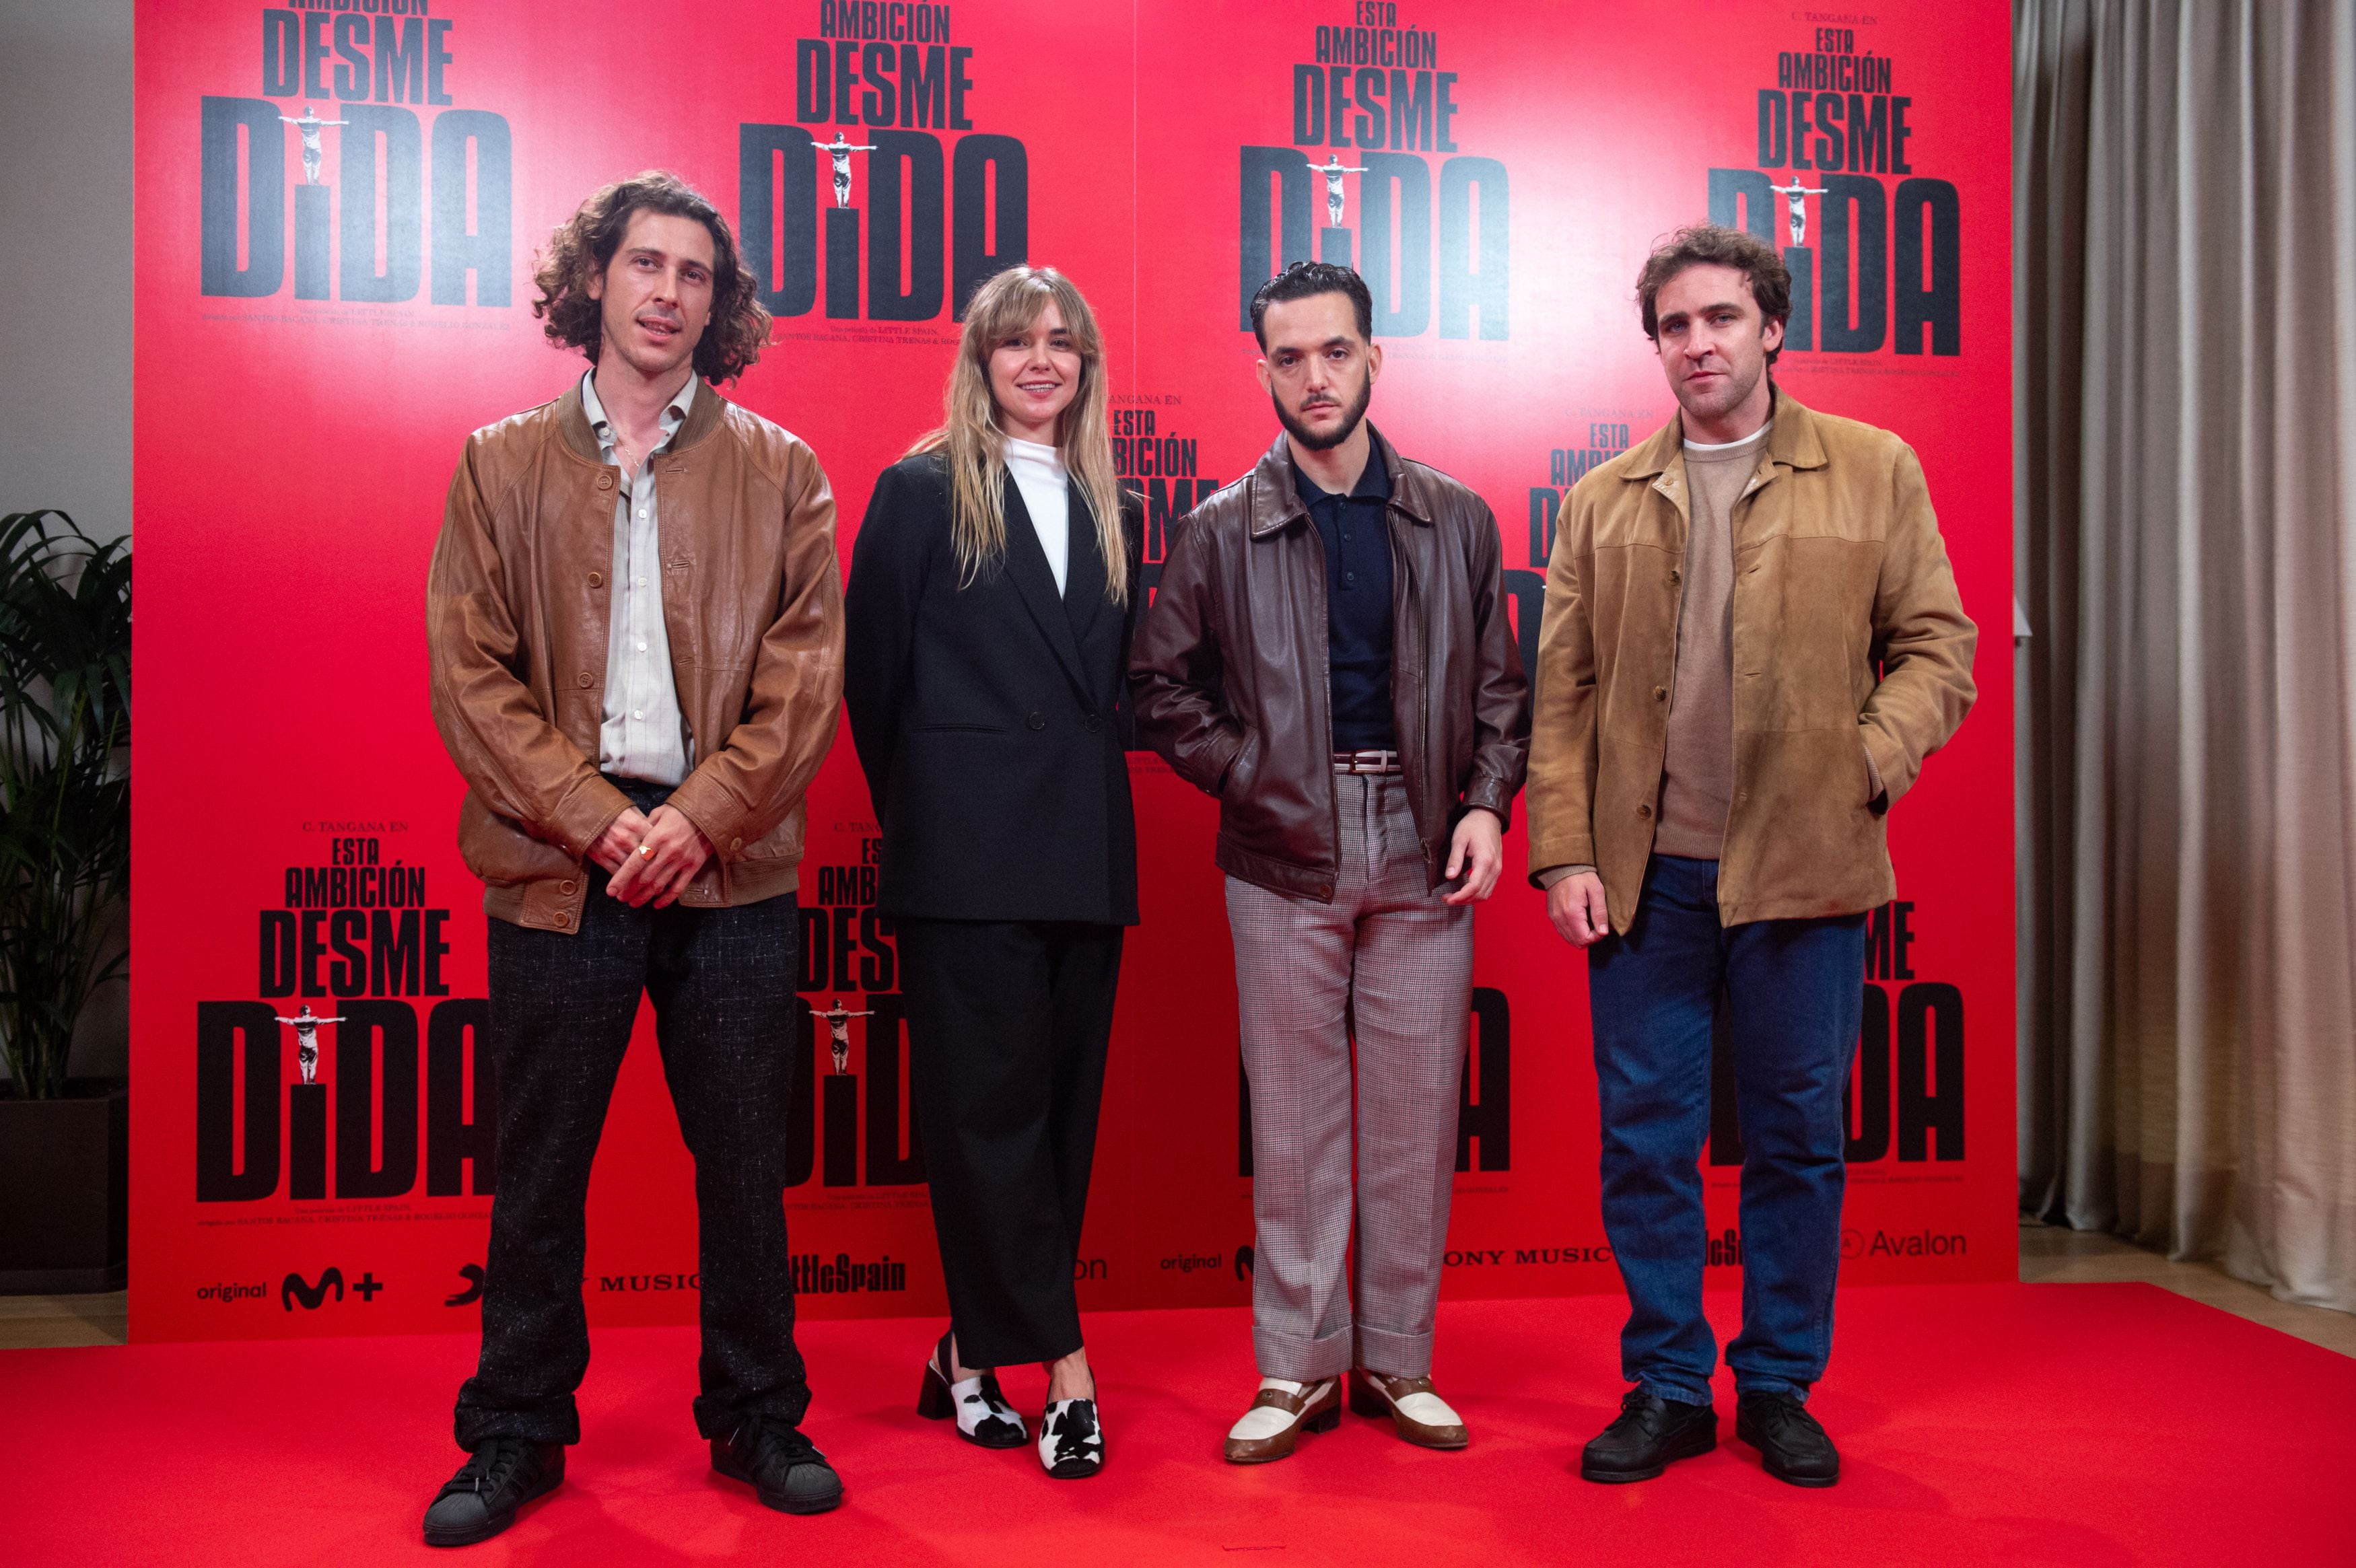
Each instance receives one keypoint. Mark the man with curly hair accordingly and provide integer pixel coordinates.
(635, 622)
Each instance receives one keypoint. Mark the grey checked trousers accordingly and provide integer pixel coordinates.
(1390, 963)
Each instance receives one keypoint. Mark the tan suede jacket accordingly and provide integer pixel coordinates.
(1839, 572)
(516, 611)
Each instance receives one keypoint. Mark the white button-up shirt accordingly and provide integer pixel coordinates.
(643, 735)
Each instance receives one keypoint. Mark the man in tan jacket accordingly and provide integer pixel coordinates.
(1753, 640)
(635, 620)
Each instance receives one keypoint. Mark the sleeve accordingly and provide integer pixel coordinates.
(1922, 638)
(1561, 791)
(1174, 670)
(1501, 694)
(794, 702)
(514, 760)
(887, 583)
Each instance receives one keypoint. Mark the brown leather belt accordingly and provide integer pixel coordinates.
(1367, 762)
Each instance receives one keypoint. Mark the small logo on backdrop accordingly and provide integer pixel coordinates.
(229, 1291)
(1886, 273)
(295, 1289)
(473, 1274)
(945, 205)
(1852, 1247)
(1433, 222)
(388, 177)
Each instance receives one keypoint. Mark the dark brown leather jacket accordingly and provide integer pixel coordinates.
(1229, 673)
(517, 609)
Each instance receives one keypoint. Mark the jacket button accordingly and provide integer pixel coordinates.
(1660, 694)
(563, 917)
(596, 579)
(1092, 724)
(564, 887)
(1037, 720)
(605, 480)
(1675, 576)
(587, 680)
(734, 845)
(1644, 810)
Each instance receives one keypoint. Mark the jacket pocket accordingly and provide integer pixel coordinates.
(1236, 784)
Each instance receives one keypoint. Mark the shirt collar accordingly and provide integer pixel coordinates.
(674, 412)
(1374, 483)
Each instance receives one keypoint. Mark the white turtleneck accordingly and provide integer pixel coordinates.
(1039, 474)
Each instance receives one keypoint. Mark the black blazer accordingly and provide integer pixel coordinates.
(991, 719)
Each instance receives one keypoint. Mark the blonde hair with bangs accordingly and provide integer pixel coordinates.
(969, 438)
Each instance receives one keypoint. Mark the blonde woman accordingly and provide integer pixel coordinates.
(993, 593)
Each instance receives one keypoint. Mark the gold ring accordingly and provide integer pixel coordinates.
(646, 851)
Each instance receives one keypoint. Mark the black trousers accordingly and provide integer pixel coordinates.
(561, 1009)
(1007, 1022)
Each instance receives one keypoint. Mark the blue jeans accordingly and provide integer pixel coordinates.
(1793, 992)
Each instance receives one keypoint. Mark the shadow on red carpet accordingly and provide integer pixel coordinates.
(2095, 1423)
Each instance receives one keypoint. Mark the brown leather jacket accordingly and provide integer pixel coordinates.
(1230, 682)
(515, 617)
(1848, 629)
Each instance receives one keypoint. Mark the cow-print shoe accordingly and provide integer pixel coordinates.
(1071, 1441)
(983, 1416)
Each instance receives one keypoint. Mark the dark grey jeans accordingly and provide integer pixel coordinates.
(562, 1010)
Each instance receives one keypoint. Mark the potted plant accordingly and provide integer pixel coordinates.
(65, 867)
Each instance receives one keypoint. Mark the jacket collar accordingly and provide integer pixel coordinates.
(1795, 443)
(1275, 492)
(573, 421)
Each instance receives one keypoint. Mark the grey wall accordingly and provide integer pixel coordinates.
(65, 315)
(65, 211)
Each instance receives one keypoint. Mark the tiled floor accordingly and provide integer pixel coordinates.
(2047, 1255)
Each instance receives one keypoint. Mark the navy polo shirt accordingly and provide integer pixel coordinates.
(1355, 530)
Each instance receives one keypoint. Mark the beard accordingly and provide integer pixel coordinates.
(1730, 395)
(1311, 440)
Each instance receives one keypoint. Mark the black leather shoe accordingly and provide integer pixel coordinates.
(790, 1475)
(1791, 1445)
(501, 1476)
(1650, 1435)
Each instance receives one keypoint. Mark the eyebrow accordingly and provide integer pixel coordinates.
(1336, 340)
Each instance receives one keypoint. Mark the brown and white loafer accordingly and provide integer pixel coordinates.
(1279, 1413)
(1423, 1418)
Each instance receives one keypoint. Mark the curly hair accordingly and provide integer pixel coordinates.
(1708, 245)
(583, 246)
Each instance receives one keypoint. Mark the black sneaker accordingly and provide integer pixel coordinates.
(501, 1476)
(1790, 1443)
(789, 1474)
(1650, 1433)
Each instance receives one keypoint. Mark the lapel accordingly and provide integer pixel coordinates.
(1026, 566)
(1084, 571)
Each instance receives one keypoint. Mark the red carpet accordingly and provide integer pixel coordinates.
(2053, 1424)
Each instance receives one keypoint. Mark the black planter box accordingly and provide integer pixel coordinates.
(64, 1191)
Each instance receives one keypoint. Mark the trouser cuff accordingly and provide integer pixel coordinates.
(1394, 1354)
(1677, 1388)
(1301, 1358)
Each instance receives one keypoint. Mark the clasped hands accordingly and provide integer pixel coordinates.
(650, 858)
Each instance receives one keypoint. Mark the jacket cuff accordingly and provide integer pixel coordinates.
(1491, 795)
(583, 817)
(1561, 849)
(714, 811)
(1553, 874)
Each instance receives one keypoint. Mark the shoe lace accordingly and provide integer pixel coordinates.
(493, 1466)
(769, 1442)
(1780, 1414)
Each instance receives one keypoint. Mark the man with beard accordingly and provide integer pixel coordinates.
(1327, 654)
(1753, 640)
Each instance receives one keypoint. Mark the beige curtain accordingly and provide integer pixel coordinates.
(2185, 271)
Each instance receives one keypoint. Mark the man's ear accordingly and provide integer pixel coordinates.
(1771, 335)
(593, 285)
(1374, 361)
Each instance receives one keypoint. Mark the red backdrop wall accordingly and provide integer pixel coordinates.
(313, 350)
